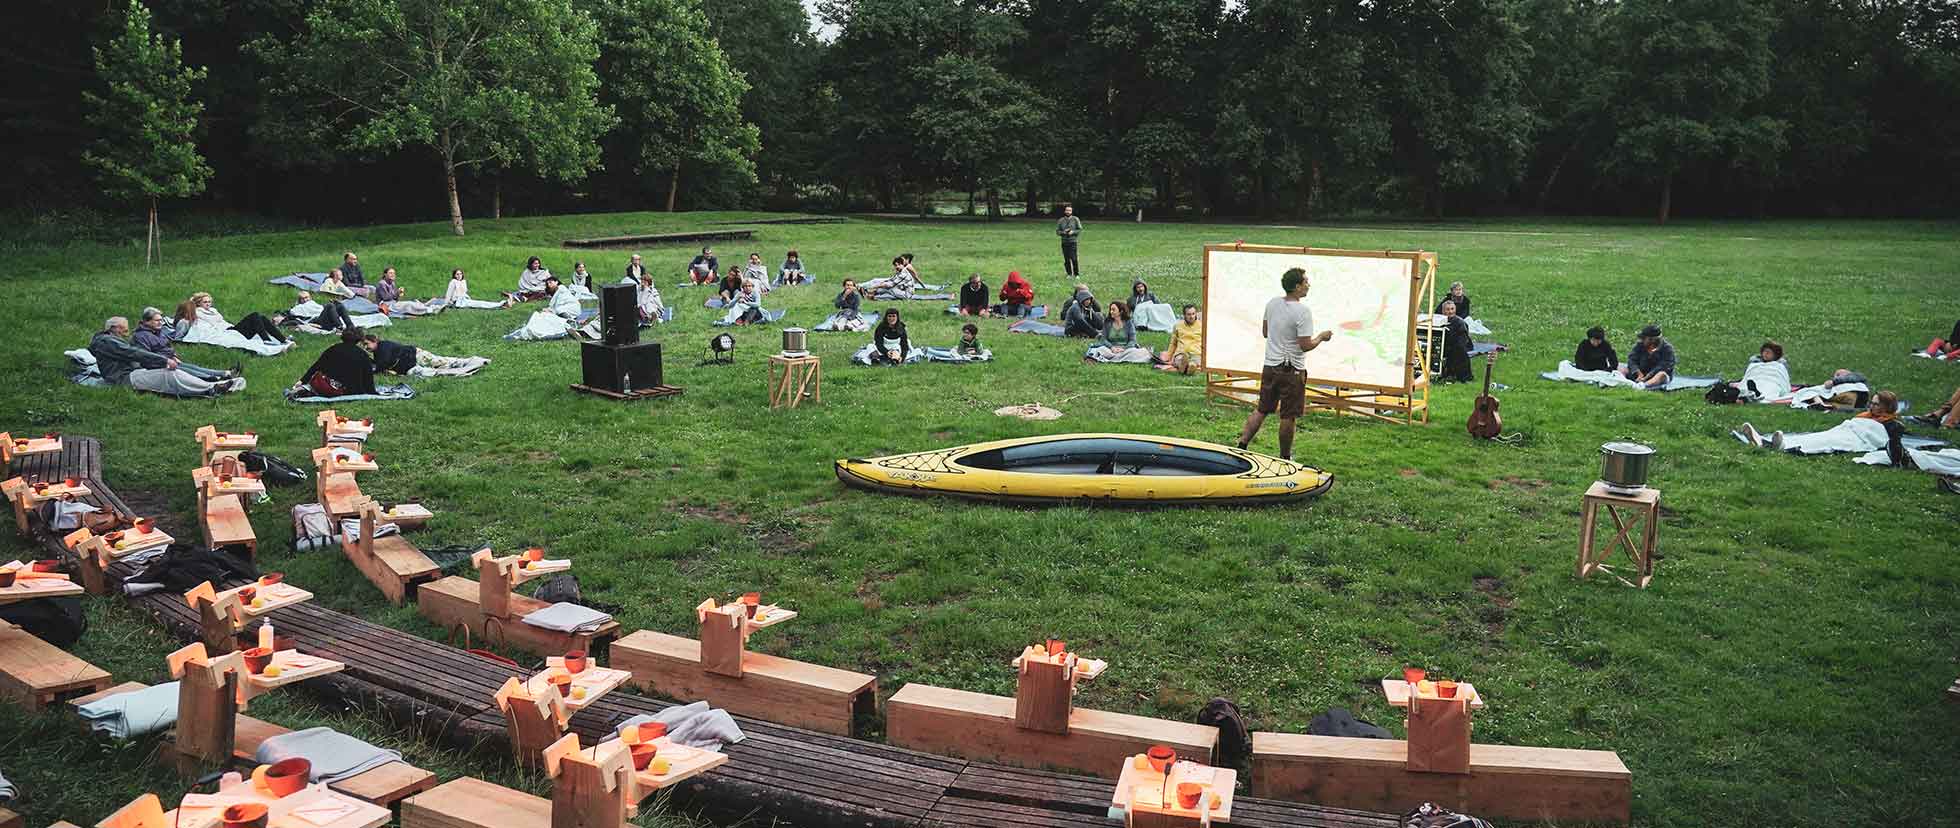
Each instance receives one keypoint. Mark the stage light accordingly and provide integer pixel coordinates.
(722, 348)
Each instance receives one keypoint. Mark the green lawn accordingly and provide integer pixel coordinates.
(1786, 667)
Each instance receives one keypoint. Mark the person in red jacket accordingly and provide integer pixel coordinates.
(1016, 296)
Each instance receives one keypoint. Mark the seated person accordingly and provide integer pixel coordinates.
(122, 363)
(331, 316)
(652, 309)
(580, 277)
(755, 270)
(344, 368)
(1872, 430)
(848, 303)
(457, 295)
(351, 275)
(890, 344)
(1462, 301)
(1946, 416)
(746, 309)
(563, 301)
(150, 336)
(1456, 345)
(530, 282)
(1652, 361)
(969, 341)
(334, 286)
(1082, 318)
(1140, 294)
(1016, 296)
(1595, 353)
(1946, 350)
(1767, 376)
(792, 271)
(387, 290)
(704, 267)
(208, 325)
(1187, 351)
(730, 286)
(973, 297)
(397, 358)
(1118, 339)
(634, 268)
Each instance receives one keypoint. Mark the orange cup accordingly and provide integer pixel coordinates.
(246, 594)
(1188, 794)
(575, 662)
(534, 554)
(1413, 675)
(1057, 646)
(650, 731)
(562, 681)
(246, 815)
(257, 659)
(643, 754)
(284, 777)
(751, 601)
(144, 525)
(6, 578)
(270, 578)
(47, 566)
(1446, 689)
(70, 482)
(1161, 757)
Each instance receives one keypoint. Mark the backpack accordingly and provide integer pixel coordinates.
(1430, 815)
(272, 469)
(1234, 738)
(58, 621)
(1722, 393)
(1337, 721)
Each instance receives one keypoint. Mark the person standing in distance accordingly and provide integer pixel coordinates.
(1288, 328)
(1070, 229)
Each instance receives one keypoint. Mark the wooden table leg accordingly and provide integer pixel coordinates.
(1588, 517)
(1647, 549)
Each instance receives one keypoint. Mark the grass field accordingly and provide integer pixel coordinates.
(1785, 668)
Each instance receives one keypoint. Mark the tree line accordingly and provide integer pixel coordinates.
(394, 109)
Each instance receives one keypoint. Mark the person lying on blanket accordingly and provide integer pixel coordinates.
(704, 267)
(344, 368)
(530, 282)
(1462, 301)
(150, 336)
(332, 316)
(1594, 353)
(969, 341)
(563, 300)
(1946, 416)
(123, 363)
(457, 295)
(1082, 318)
(892, 344)
(1456, 345)
(792, 270)
(1118, 340)
(335, 285)
(1016, 296)
(351, 275)
(730, 286)
(1945, 350)
(1652, 361)
(1187, 350)
(756, 271)
(973, 297)
(205, 314)
(1767, 376)
(901, 279)
(398, 358)
(1871, 430)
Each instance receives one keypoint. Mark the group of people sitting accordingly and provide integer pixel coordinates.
(1650, 364)
(705, 269)
(148, 361)
(348, 367)
(1016, 297)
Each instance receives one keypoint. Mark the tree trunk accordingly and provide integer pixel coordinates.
(673, 187)
(152, 244)
(1030, 201)
(1315, 179)
(1551, 178)
(449, 180)
(497, 197)
(1432, 196)
(969, 200)
(1667, 195)
(993, 204)
(1110, 207)
(1261, 207)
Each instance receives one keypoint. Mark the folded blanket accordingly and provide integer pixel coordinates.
(569, 618)
(1030, 326)
(470, 366)
(334, 755)
(693, 725)
(134, 713)
(303, 281)
(1154, 316)
(1612, 379)
(302, 394)
(840, 321)
(351, 527)
(1100, 353)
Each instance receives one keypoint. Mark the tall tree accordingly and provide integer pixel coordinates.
(146, 118)
(502, 82)
(770, 43)
(1455, 83)
(1697, 72)
(982, 125)
(678, 98)
(1151, 58)
(1570, 86)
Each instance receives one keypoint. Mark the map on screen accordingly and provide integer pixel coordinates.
(1366, 300)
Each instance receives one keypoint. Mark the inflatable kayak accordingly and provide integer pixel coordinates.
(1116, 468)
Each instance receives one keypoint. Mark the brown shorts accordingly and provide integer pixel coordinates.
(1283, 389)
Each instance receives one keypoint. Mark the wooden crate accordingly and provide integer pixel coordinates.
(980, 726)
(774, 689)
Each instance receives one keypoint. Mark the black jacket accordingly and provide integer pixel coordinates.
(1589, 358)
(393, 357)
(884, 332)
(347, 364)
(115, 357)
(351, 276)
(1462, 305)
(974, 296)
(1456, 352)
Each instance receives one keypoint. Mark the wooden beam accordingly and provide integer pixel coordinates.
(980, 726)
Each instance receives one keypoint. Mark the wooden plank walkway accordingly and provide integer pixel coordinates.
(651, 239)
(802, 776)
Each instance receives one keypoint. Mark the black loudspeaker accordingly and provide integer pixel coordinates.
(619, 308)
(622, 368)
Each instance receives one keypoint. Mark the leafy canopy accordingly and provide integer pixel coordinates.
(146, 117)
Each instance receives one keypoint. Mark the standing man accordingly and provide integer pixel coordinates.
(1070, 229)
(1288, 328)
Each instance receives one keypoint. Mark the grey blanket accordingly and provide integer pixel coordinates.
(334, 755)
(693, 725)
(569, 618)
(297, 394)
(134, 713)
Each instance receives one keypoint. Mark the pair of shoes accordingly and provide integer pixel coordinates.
(1751, 436)
(1776, 441)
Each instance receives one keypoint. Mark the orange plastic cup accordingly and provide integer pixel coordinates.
(1446, 689)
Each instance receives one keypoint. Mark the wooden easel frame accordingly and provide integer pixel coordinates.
(209, 694)
(1044, 694)
(1405, 405)
(595, 788)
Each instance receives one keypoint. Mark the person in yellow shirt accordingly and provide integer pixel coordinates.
(1187, 351)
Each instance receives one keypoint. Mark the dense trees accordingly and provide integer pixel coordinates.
(1302, 108)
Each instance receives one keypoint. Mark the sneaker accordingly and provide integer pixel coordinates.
(1922, 354)
(1776, 441)
(1738, 437)
(1754, 437)
(236, 385)
(1950, 484)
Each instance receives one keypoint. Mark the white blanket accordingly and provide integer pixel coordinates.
(1604, 379)
(212, 329)
(565, 303)
(458, 296)
(1943, 462)
(542, 325)
(1772, 381)
(1807, 396)
(1477, 328)
(1859, 434)
(1154, 316)
(1105, 353)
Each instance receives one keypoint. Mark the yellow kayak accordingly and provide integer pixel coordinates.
(1118, 468)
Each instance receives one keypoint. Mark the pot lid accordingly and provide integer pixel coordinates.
(1627, 448)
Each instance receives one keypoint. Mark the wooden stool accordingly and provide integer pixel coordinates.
(1644, 505)
(793, 378)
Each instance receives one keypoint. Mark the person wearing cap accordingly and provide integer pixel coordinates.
(1651, 362)
(1595, 353)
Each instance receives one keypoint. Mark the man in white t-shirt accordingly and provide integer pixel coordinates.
(1288, 327)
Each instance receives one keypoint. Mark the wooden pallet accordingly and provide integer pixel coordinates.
(642, 394)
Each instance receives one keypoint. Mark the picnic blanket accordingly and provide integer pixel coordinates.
(303, 281)
(1030, 326)
(925, 354)
(85, 371)
(1036, 312)
(334, 755)
(212, 329)
(301, 394)
(1612, 379)
(133, 713)
(1477, 328)
(1810, 395)
(844, 321)
(1154, 316)
(366, 320)
(693, 725)
(768, 316)
(1105, 354)
(1944, 462)
(469, 367)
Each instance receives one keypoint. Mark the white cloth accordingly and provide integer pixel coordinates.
(1154, 316)
(1604, 379)
(652, 307)
(564, 617)
(756, 273)
(1286, 322)
(565, 303)
(210, 328)
(1859, 434)
(1943, 462)
(458, 296)
(1112, 354)
(531, 281)
(692, 725)
(542, 325)
(1772, 381)
(1808, 395)
(133, 713)
(1477, 328)
(844, 321)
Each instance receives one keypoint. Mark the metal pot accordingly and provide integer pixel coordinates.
(1625, 464)
(796, 341)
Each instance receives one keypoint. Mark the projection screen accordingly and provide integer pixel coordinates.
(1367, 298)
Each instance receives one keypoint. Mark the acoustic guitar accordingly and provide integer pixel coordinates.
(1484, 420)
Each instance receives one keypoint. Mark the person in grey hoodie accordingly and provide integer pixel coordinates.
(122, 363)
(151, 337)
(1083, 318)
(1070, 229)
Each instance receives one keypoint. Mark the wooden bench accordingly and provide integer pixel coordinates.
(224, 520)
(213, 446)
(981, 726)
(1504, 782)
(456, 602)
(35, 674)
(781, 690)
(469, 802)
(393, 564)
(335, 489)
(332, 430)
